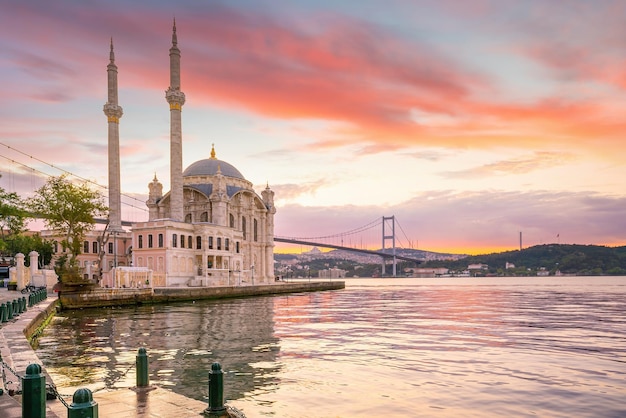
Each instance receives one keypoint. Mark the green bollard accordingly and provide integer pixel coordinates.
(216, 392)
(141, 364)
(83, 405)
(34, 393)
(9, 310)
(16, 310)
(3, 315)
(23, 303)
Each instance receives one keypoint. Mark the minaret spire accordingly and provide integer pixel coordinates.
(176, 98)
(112, 54)
(113, 113)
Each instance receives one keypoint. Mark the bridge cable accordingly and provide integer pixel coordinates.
(342, 234)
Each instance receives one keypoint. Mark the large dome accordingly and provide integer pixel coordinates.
(209, 167)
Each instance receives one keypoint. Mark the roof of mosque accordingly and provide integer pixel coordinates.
(210, 166)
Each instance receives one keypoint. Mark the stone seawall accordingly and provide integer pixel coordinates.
(99, 297)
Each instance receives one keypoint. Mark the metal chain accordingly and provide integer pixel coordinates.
(54, 391)
(10, 382)
(12, 371)
(52, 387)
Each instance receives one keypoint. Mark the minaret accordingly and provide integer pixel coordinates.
(176, 99)
(268, 199)
(114, 112)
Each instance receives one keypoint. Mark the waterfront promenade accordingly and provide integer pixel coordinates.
(17, 353)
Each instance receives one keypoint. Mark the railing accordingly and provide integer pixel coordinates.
(34, 391)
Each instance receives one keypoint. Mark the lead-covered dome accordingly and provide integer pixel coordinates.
(209, 167)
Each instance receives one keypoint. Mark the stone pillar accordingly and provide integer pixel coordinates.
(20, 271)
(34, 263)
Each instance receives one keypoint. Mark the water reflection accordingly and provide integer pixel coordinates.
(394, 348)
(97, 348)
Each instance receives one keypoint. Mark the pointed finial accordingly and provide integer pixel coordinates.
(111, 54)
(155, 177)
(213, 151)
(174, 37)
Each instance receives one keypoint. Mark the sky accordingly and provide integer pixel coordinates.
(470, 121)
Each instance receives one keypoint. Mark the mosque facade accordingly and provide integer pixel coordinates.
(211, 228)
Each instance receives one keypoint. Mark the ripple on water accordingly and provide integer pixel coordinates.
(393, 348)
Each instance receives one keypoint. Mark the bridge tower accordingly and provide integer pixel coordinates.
(389, 222)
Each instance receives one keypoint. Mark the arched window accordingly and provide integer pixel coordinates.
(198, 243)
(210, 243)
(160, 240)
(150, 243)
(174, 240)
(226, 244)
(219, 243)
(204, 217)
(94, 247)
(188, 218)
(256, 231)
(86, 247)
(182, 241)
(189, 241)
(243, 226)
(232, 220)
(140, 242)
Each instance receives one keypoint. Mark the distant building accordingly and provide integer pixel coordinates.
(426, 272)
(332, 273)
(508, 265)
(477, 267)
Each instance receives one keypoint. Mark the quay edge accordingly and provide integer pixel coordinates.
(103, 297)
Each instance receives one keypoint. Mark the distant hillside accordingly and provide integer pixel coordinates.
(364, 258)
(568, 259)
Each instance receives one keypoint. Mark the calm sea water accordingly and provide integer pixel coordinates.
(454, 347)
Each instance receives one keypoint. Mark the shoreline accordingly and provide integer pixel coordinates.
(106, 297)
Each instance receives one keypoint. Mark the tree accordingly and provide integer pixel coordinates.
(69, 209)
(13, 215)
(24, 244)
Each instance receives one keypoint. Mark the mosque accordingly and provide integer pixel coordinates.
(210, 229)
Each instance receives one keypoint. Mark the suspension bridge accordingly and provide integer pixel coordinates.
(388, 251)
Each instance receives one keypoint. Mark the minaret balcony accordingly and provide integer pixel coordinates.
(175, 97)
(113, 110)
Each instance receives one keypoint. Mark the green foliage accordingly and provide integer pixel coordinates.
(70, 209)
(24, 244)
(568, 259)
(13, 214)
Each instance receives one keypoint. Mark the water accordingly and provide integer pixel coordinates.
(515, 347)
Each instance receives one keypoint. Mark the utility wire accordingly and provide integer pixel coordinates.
(64, 171)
